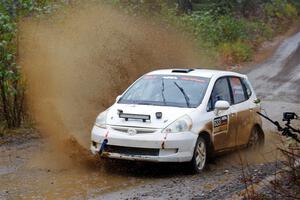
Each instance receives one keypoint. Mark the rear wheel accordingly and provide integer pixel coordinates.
(257, 138)
(198, 161)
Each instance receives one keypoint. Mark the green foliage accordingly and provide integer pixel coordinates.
(11, 85)
(290, 11)
(235, 28)
(280, 9)
(296, 3)
(236, 52)
(215, 7)
(214, 30)
(259, 31)
(234, 36)
(10, 89)
(227, 34)
(232, 29)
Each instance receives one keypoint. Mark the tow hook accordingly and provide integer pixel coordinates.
(103, 146)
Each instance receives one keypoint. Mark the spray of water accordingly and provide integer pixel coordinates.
(76, 63)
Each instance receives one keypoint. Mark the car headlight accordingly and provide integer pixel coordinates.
(182, 124)
(101, 119)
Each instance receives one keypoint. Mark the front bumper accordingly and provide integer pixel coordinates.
(176, 147)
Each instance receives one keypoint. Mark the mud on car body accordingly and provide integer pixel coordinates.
(179, 115)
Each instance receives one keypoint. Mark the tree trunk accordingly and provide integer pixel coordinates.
(185, 6)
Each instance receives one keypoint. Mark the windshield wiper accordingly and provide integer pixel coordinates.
(163, 90)
(187, 99)
(145, 103)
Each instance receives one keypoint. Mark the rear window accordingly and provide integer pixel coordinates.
(247, 88)
(237, 90)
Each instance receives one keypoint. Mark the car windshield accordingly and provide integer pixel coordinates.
(167, 90)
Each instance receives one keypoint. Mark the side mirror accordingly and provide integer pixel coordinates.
(118, 98)
(257, 101)
(221, 105)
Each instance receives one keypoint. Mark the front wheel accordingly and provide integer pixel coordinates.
(198, 161)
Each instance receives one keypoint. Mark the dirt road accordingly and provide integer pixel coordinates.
(24, 176)
(277, 80)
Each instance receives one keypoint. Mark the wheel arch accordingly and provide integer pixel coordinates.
(207, 137)
(261, 131)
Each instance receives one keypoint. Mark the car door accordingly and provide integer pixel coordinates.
(243, 112)
(223, 122)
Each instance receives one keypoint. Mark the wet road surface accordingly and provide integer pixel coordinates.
(277, 80)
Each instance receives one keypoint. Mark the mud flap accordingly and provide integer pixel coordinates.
(103, 146)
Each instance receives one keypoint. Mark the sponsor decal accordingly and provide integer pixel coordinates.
(149, 77)
(170, 77)
(192, 79)
(220, 124)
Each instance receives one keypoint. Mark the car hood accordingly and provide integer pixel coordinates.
(169, 114)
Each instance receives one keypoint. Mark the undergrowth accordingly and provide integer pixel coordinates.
(233, 29)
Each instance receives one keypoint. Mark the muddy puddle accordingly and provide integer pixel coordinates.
(31, 171)
(34, 170)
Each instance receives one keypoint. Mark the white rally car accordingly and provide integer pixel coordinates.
(180, 115)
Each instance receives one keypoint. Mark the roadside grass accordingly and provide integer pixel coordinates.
(20, 134)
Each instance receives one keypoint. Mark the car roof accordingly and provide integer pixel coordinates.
(207, 73)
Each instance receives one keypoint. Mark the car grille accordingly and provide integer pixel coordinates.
(133, 151)
(138, 130)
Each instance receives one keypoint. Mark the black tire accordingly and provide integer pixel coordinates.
(199, 159)
(257, 138)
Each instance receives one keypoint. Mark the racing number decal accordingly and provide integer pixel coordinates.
(220, 124)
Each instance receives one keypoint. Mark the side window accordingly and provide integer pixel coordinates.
(237, 90)
(221, 91)
(247, 88)
(209, 105)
